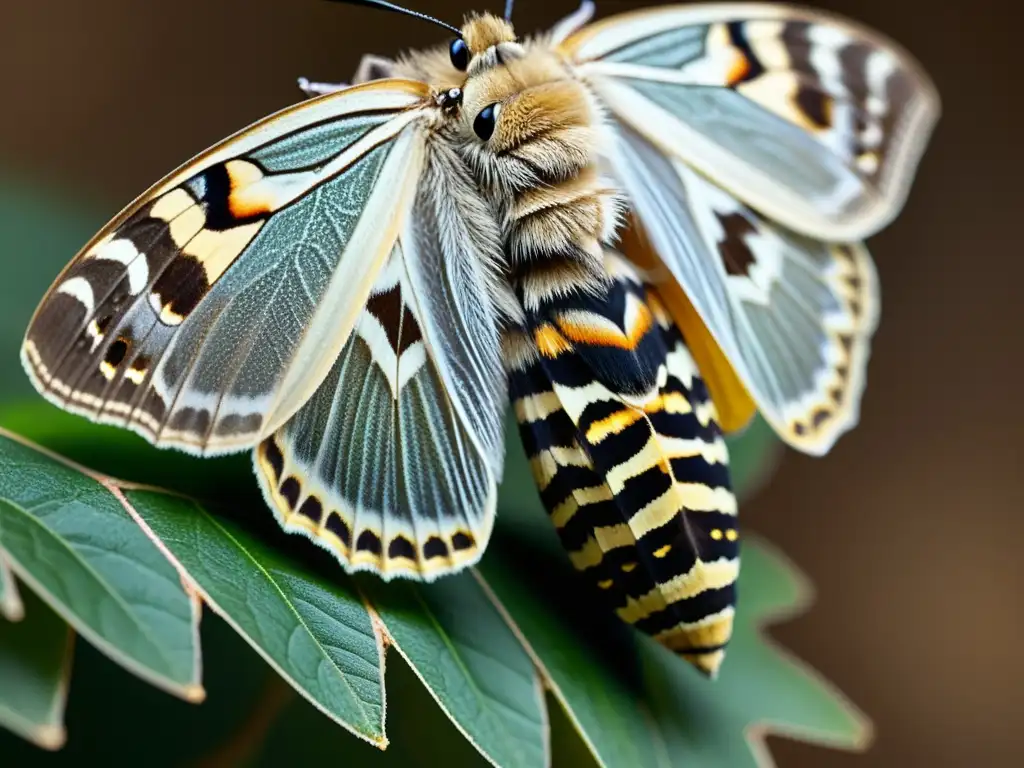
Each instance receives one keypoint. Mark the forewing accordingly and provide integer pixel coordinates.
(793, 316)
(393, 463)
(207, 312)
(814, 121)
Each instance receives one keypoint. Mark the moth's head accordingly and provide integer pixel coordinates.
(524, 120)
(487, 41)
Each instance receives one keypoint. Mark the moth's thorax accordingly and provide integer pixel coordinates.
(556, 208)
(539, 168)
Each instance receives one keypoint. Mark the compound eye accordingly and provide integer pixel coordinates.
(486, 120)
(459, 52)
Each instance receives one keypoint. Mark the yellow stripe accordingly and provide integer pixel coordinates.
(702, 577)
(588, 555)
(649, 456)
(698, 497)
(614, 536)
(564, 512)
(550, 343)
(545, 465)
(711, 630)
(715, 452)
(657, 513)
(536, 407)
(709, 662)
(705, 412)
(612, 425)
(669, 402)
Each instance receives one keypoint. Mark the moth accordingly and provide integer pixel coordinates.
(639, 231)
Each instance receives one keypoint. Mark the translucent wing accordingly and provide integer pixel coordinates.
(815, 122)
(209, 310)
(793, 316)
(393, 463)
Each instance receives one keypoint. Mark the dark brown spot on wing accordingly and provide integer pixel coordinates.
(736, 254)
(290, 490)
(815, 105)
(401, 547)
(368, 541)
(434, 547)
(273, 457)
(339, 528)
(312, 508)
(238, 423)
(410, 331)
(387, 308)
(117, 351)
(181, 286)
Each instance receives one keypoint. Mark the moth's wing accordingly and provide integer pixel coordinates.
(625, 447)
(393, 464)
(810, 119)
(793, 316)
(735, 406)
(211, 308)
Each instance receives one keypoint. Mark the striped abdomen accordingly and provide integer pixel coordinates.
(629, 459)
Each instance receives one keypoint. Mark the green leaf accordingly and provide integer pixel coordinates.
(11, 607)
(633, 702)
(473, 665)
(762, 689)
(35, 665)
(584, 653)
(109, 706)
(121, 453)
(313, 630)
(67, 536)
(420, 734)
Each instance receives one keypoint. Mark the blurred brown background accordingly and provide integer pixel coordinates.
(911, 528)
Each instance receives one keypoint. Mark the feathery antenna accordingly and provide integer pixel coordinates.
(383, 5)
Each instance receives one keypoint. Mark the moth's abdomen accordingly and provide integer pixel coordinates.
(630, 462)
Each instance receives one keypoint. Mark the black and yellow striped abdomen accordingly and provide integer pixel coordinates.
(630, 462)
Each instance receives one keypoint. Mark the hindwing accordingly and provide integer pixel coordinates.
(757, 143)
(393, 463)
(631, 464)
(206, 313)
(793, 316)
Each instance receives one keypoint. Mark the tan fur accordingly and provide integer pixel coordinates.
(484, 30)
(538, 170)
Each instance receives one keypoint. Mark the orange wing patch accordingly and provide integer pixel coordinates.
(734, 404)
(588, 328)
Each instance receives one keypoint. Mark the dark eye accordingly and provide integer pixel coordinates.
(459, 52)
(485, 121)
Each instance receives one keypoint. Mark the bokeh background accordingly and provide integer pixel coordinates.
(912, 528)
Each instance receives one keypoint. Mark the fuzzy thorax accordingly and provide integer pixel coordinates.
(539, 166)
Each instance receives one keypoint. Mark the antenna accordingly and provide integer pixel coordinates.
(508, 9)
(383, 5)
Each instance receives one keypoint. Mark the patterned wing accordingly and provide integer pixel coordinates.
(793, 316)
(393, 463)
(810, 119)
(630, 461)
(207, 312)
